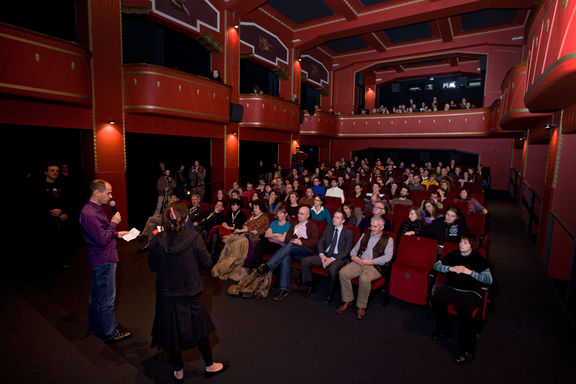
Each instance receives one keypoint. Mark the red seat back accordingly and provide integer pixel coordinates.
(356, 231)
(417, 251)
(357, 203)
(476, 223)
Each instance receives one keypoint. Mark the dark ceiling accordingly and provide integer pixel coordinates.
(466, 17)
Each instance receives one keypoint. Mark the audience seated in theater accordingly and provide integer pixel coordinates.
(152, 224)
(333, 251)
(379, 210)
(234, 219)
(216, 76)
(308, 198)
(256, 90)
(254, 197)
(357, 192)
(413, 226)
(335, 190)
(317, 186)
(301, 241)
(441, 195)
(473, 204)
(430, 211)
(464, 179)
(416, 183)
(431, 182)
(435, 196)
(235, 187)
(254, 227)
(212, 219)
(272, 202)
(288, 190)
(449, 228)
(368, 258)
(248, 191)
(273, 238)
(376, 190)
(221, 196)
(318, 212)
(394, 190)
(195, 212)
(349, 214)
(466, 273)
(292, 205)
(402, 198)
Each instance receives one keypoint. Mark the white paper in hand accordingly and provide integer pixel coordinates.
(131, 235)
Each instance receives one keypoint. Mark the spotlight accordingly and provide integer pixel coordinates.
(550, 126)
(236, 26)
(112, 122)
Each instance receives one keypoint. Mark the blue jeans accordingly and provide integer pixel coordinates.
(283, 258)
(102, 321)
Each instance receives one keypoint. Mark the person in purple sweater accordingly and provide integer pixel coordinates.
(100, 235)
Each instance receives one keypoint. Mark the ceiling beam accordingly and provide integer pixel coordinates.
(373, 42)
(342, 8)
(389, 16)
(243, 7)
(445, 29)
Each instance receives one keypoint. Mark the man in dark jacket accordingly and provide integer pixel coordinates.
(333, 251)
(449, 228)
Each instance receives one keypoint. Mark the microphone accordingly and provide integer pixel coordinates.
(113, 205)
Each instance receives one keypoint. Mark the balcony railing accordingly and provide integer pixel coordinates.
(269, 112)
(38, 66)
(155, 90)
(474, 122)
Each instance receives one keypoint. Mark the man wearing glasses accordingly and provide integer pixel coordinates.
(377, 209)
(301, 240)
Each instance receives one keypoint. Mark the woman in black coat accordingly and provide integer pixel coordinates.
(181, 321)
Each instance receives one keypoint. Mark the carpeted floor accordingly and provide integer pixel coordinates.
(527, 338)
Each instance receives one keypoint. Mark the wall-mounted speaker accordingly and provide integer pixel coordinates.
(236, 112)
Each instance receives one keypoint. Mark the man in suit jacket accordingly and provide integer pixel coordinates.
(301, 241)
(333, 251)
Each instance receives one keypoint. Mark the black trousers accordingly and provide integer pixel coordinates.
(314, 261)
(465, 304)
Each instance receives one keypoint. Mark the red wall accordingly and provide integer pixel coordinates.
(537, 158)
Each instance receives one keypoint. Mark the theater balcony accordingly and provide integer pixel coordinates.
(551, 67)
(514, 114)
(157, 91)
(458, 123)
(269, 112)
(43, 68)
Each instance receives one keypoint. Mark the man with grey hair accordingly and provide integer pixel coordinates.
(370, 254)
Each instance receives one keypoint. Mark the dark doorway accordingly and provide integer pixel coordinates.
(251, 153)
(143, 156)
(311, 161)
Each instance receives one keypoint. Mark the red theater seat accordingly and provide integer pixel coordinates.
(411, 272)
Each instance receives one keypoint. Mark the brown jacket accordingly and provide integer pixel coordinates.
(311, 233)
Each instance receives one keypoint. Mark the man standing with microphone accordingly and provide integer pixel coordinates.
(100, 234)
